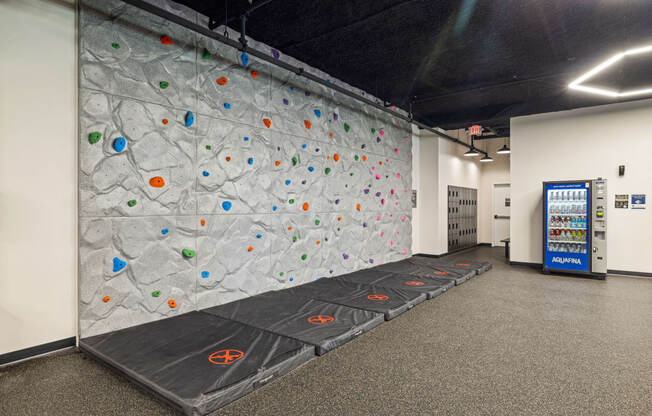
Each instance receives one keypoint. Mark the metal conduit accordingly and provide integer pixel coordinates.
(297, 70)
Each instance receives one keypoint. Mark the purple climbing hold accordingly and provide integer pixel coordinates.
(377, 139)
(364, 224)
(366, 191)
(307, 93)
(371, 260)
(285, 101)
(303, 182)
(337, 201)
(276, 54)
(335, 117)
(377, 193)
(346, 256)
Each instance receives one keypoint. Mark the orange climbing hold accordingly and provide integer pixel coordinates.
(307, 124)
(254, 74)
(222, 81)
(318, 242)
(165, 121)
(364, 158)
(165, 39)
(157, 182)
(357, 207)
(290, 228)
(339, 218)
(250, 248)
(228, 158)
(277, 163)
(336, 157)
(172, 303)
(268, 122)
(306, 206)
(106, 298)
(330, 134)
(202, 222)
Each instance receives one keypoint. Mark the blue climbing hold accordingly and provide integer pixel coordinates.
(274, 208)
(165, 231)
(119, 144)
(205, 274)
(291, 88)
(118, 264)
(303, 146)
(291, 279)
(246, 139)
(205, 173)
(307, 93)
(250, 160)
(227, 106)
(244, 58)
(318, 113)
(259, 235)
(287, 181)
(276, 54)
(190, 118)
(310, 168)
(226, 205)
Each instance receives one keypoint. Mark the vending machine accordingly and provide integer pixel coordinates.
(575, 227)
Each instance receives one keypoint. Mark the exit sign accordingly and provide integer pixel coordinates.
(475, 130)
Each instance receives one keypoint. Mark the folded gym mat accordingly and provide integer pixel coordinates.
(198, 362)
(431, 286)
(459, 264)
(443, 272)
(322, 324)
(388, 301)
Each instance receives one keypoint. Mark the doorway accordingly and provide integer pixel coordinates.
(500, 213)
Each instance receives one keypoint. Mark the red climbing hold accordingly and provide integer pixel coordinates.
(307, 124)
(330, 135)
(222, 81)
(165, 121)
(157, 182)
(254, 74)
(336, 157)
(165, 39)
(228, 158)
(267, 122)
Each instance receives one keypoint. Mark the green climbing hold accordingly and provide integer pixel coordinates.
(94, 137)
(131, 203)
(188, 253)
(281, 274)
(164, 84)
(304, 256)
(347, 127)
(356, 157)
(206, 54)
(208, 147)
(156, 293)
(115, 45)
(351, 174)
(294, 239)
(294, 161)
(373, 130)
(291, 201)
(327, 170)
(317, 222)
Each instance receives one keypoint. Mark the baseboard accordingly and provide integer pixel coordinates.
(432, 256)
(436, 256)
(30, 352)
(526, 264)
(628, 273)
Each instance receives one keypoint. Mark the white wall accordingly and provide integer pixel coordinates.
(38, 173)
(585, 144)
(496, 172)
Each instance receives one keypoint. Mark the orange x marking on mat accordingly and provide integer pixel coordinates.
(413, 283)
(320, 319)
(225, 357)
(377, 297)
(462, 264)
(439, 272)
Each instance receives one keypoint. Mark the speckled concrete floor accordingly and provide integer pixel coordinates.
(509, 342)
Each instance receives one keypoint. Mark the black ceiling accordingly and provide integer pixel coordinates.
(460, 62)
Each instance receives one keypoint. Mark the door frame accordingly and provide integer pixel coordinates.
(493, 220)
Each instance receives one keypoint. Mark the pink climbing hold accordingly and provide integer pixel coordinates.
(396, 150)
(398, 175)
(403, 219)
(382, 201)
(391, 243)
(392, 191)
(404, 251)
(378, 217)
(382, 133)
(377, 176)
(382, 233)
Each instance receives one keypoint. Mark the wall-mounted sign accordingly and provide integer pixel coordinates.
(638, 201)
(414, 198)
(475, 130)
(622, 201)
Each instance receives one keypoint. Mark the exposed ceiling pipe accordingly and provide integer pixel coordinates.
(297, 70)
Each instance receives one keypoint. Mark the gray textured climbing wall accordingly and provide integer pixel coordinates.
(206, 177)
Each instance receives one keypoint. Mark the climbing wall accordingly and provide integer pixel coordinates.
(207, 176)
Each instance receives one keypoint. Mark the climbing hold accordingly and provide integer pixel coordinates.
(246, 138)
(244, 58)
(227, 106)
(165, 39)
(336, 157)
(115, 45)
(205, 274)
(131, 203)
(357, 207)
(94, 137)
(307, 93)
(377, 176)
(287, 181)
(106, 299)
(382, 133)
(164, 84)
(327, 170)
(317, 222)
(190, 118)
(294, 161)
(277, 163)
(396, 150)
(373, 130)
(276, 54)
(310, 169)
(156, 293)
(363, 146)
(228, 158)
(346, 127)
(206, 54)
(226, 205)
(371, 260)
(165, 231)
(267, 122)
(188, 253)
(205, 173)
(222, 81)
(250, 160)
(202, 222)
(398, 175)
(250, 248)
(330, 135)
(356, 157)
(377, 194)
(291, 279)
(318, 242)
(303, 146)
(164, 121)
(291, 201)
(366, 191)
(364, 158)
(377, 139)
(294, 239)
(274, 207)
(259, 235)
(339, 218)
(345, 256)
(254, 74)
(306, 206)
(172, 303)
(157, 182)
(318, 113)
(337, 201)
(307, 124)
(119, 144)
(335, 116)
(304, 256)
(364, 225)
(285, 101)
(118, 264)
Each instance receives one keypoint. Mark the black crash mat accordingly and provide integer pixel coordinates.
(431, 286)
(324, 325)
(456, 264)
(443, 272)
(388, 301)
(198, 362)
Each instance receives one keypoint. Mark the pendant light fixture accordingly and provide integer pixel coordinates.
(486, 157)
(505, 150)
(472, 151)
